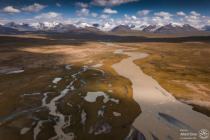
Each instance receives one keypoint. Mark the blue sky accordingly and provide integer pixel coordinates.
(142, 12)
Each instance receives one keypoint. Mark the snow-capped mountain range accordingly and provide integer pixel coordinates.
(82, 26)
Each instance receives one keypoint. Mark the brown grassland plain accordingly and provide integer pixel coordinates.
(183, 69)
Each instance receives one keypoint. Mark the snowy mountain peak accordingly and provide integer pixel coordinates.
(82, 25)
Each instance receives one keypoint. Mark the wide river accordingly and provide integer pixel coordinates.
(162, 116)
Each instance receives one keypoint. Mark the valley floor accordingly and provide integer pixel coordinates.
(70, 90)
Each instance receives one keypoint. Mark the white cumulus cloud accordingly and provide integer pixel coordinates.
(10, 9)
(109, 11)
(111, 2)
(180, 13)
(163, 14)
(194, 13)
(104, 16)
(94, 15)
(162, 18)
(36, 7)
(49, 16)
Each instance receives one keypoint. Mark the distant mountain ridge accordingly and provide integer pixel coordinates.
(7, 30)
(150, 28)
(206, 28)
(174, 29)
(63, 28)
(121, 28)
(20, 27)
(82, 27)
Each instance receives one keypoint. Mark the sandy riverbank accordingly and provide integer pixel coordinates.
(162, 115)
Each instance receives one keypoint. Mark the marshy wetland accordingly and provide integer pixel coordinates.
(53, 99)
